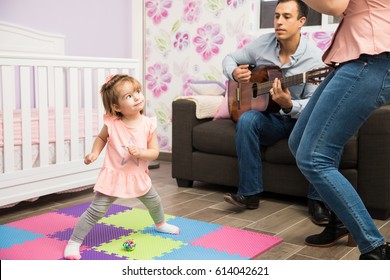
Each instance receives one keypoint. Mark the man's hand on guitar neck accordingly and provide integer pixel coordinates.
(281, 96)
(242, 73)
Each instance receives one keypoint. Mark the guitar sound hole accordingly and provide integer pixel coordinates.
(254, 90)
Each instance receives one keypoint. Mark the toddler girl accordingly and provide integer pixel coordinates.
(131, 140)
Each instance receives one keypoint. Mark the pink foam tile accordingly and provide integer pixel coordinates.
(39, 249)
(236, 241)
(45, 224)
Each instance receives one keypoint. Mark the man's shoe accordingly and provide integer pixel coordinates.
(320, 215)
(332, 232)
(248, 202)
(380, 253)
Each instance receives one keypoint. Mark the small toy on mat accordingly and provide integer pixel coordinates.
(129, 245)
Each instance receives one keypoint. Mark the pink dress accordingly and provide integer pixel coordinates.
(365, 29)
(121, 174)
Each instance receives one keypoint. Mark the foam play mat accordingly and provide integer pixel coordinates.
(44, 237)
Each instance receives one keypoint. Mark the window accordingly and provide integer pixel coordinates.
(315, 20)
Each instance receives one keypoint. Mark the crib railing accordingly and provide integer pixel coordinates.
(63, 94)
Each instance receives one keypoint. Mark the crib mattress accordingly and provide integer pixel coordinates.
(35, 154)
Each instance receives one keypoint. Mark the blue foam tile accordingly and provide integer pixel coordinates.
(11, 236)
(190, 252)
(189, 229)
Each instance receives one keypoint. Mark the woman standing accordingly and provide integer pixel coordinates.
(360, 83)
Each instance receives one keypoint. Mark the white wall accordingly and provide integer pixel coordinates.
(92, 27)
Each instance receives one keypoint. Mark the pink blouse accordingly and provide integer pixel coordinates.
(364, 29)
(121, 174)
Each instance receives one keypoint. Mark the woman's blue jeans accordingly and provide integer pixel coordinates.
(335, 112)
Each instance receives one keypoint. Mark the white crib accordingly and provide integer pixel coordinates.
(50, 113)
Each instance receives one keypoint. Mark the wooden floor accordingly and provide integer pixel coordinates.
(284, 217)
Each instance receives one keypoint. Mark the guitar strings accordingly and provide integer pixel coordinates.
(294, 79)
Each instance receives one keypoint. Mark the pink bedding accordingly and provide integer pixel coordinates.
(51, 126)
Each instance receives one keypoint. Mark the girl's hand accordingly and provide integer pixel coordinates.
(90, 158)
(134, 151)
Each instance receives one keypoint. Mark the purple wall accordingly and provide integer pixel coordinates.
(91, 27)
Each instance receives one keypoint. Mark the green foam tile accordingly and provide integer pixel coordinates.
(134, 219)
(147, 246)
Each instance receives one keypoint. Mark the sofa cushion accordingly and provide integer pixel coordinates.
(215, 137)
(218, 137)
(280, 153)
(350, 154)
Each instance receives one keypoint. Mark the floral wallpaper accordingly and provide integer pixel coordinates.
(186, 40)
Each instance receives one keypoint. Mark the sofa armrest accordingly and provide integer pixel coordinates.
(183, 121)
(374, 162)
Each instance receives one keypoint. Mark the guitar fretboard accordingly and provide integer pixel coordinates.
(286, 82)
(311, 76)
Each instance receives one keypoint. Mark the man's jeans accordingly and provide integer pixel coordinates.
(254, 129)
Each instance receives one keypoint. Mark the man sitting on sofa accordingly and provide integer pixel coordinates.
(293, 54)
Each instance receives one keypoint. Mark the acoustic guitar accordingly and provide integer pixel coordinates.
(255, 95)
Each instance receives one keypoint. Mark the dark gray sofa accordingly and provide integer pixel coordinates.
(204, 150)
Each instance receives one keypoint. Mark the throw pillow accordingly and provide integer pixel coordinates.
(223, 110)
(207, 87)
